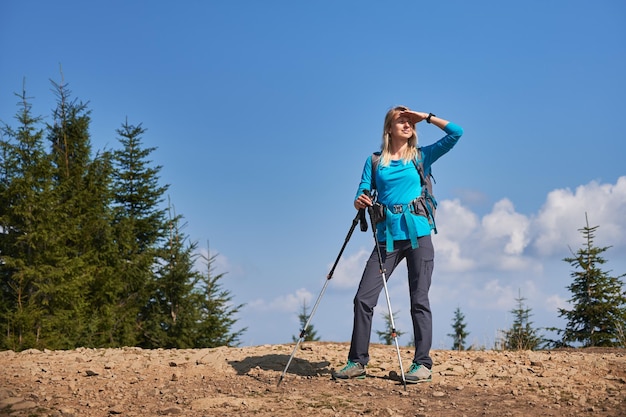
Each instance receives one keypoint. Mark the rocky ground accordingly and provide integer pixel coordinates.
(244, 382)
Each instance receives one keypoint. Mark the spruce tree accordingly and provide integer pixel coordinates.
(598, 313)
(25, 195)
(138, 194)
(80, 264)
(386, 336)
(217, 313)
(521, 335)
(139, 225)
(87, 257)
(167, 319)
(460, 335)
(186, 308)
(311, 333)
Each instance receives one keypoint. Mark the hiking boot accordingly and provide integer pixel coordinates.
(418, 373)
(351, 370)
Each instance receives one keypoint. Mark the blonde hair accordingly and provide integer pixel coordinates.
(410, 152)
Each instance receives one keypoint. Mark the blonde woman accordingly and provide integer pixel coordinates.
(405, 233)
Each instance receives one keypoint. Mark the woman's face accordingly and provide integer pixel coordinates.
(401, 128)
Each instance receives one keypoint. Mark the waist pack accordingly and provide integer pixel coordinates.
(424, 205)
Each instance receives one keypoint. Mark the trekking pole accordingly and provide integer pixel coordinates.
(360, 215)
(394, 334)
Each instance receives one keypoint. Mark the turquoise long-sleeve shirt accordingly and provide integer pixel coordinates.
(399, 183)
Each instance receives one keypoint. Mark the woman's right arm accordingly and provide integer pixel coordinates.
(361, 200)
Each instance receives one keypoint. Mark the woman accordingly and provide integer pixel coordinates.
(402, 235)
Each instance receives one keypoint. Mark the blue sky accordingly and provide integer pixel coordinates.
(263, 114)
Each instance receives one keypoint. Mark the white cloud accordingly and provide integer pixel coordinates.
(506, 229)
(284, 303)
(563, 214)
(503, 239)
(555, 302)
(498, 240)
(459, 226)
(348, 272)
(497, 296)
(458, 221)
(485, 263)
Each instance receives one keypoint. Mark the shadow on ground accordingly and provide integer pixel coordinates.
(275, 362)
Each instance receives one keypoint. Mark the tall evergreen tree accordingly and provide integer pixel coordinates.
(598, 314)
(521, 335)
(311, 333)
(80, 264)
(25, 195)
(460, 334)
(139, 226)
(87, 257)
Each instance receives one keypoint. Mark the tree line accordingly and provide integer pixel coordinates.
(597, 313)
(91, 253)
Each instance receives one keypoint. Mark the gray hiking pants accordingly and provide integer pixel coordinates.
(419, 264)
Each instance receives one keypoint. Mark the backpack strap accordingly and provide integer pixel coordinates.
(419, 165)
(375, 161)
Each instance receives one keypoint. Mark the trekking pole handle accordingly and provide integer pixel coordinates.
(362, 220)
(367, 193)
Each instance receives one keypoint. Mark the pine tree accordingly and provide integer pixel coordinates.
(138, 195)
(186, 309)
(25, 194)
(521, 335)
(87, 257)
(598, 314)
(386, 336)
(139, 224)
(81, 263)
(216, 310)
(460, 335)
(167, 318)
(311, 333)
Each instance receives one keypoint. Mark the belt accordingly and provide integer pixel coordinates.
(405, 210)
(401, 208)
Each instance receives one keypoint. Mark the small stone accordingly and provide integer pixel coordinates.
(24, 405)
(171, 410)
(66, 412)
(11, 401)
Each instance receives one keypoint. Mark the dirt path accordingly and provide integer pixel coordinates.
(243, 382)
